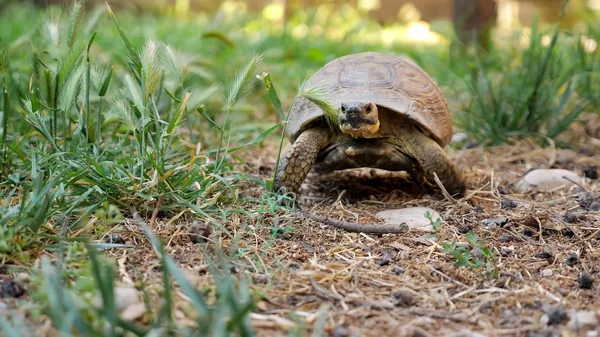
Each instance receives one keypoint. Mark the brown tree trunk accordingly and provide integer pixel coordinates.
(473, 21)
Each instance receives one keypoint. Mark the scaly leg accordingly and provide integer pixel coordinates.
(297, 163)
(433, 159)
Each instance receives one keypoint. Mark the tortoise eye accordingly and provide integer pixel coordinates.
(369, 109)
(343, 108)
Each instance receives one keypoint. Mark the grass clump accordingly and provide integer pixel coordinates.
(88, 142)
(77, 293)
(93, 135)
(536, 92)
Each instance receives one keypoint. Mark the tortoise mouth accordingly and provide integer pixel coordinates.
(357, 122)
(358, 129)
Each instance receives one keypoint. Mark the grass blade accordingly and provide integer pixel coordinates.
(319, 96)
(131, 53)
(202, 113)
(175, 119)
(257, 139)
(219, 36)
(74, 24)
(277, 103)
(172, 268)
(105, 278)
(8, 329)
(244, 82)
(273, 96)
(105, 83)
(5, 115)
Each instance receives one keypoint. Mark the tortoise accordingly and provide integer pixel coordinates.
(391, 116)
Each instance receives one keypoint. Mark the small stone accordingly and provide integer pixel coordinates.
(548, 179)
(414, 217)
(22, 278)
(508, 204)
(587, 151)
(260, 279)
(133, 312)
(504, 189)
(546, 273)
(547, 253)
(573, 217)
(403, 298)
(459, 137)
(385, 259)
(543, 255)
(470, 145)
(199, 231)
(340, 331)
(397, 270)
(438, 297)
(9, 288)
(124, 297)
(589, 201)
(465, 229)
(584, 319)
(506, 238)
(565, 156)
(591, 172)
(507, 251)
(567, 232)
(585, 281)
(114, 238)
(477, 253)
(495, 222)
(557, 316)
(572, 260)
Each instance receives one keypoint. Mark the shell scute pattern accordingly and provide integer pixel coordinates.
(390, 81)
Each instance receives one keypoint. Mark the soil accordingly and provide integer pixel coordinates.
(544, 273)
(546, 248)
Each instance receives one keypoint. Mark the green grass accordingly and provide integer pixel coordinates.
(95, 136)
(109, 115)
(535, 91)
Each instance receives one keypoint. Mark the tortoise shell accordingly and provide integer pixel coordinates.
(390, 81)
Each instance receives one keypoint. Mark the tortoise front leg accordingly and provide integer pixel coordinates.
(297, 163)
(433, 159)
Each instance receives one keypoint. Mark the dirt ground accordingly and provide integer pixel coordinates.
(404, 284)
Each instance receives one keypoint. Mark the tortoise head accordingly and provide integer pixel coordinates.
(358, 119)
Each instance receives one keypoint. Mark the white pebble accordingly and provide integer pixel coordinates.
(459, 137)
(414, 217)
(548, 179)
(124, 297)
(583, 319)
